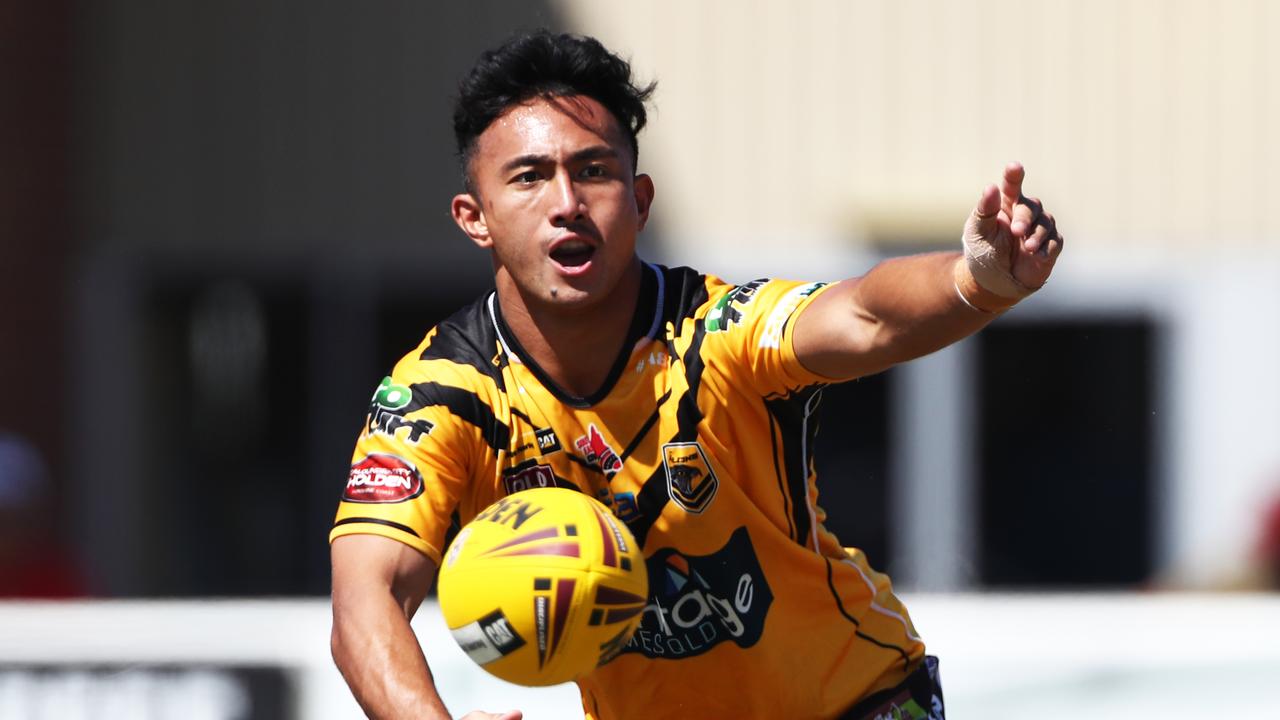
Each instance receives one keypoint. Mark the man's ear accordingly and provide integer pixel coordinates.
(469, 215)
(644, 197)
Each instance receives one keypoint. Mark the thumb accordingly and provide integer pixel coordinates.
(984, 219)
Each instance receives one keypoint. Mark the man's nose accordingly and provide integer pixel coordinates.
(568, 206)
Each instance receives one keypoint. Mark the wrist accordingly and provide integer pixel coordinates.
(973, 294)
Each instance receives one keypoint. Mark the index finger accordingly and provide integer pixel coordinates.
(1011, 187)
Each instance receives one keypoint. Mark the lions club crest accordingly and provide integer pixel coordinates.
(690, 480)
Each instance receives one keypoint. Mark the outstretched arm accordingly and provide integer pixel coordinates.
(378, 585)
(911, 306)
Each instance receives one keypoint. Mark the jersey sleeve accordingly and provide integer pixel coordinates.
(412, 463)
(748, 333)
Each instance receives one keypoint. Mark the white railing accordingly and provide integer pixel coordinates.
(1053, 657)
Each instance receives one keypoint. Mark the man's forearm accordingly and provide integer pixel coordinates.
(381, 660)
(917, 306)
(903, 308)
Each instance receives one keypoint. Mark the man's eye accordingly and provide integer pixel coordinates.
(527, 177)
(593, 171)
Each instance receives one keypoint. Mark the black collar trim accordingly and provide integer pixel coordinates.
(648, 307)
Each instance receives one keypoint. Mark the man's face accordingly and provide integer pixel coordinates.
(557, 200)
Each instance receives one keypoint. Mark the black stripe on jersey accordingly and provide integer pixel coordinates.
(654, 495)
(377, 521)
(906, 659)
(583, 462)
(455, 527)
(468, 338)
(644, 429)
(777, 471)
(686, 291)
(797, 438)
(464, 404)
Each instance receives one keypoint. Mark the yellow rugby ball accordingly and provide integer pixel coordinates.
(543, 586)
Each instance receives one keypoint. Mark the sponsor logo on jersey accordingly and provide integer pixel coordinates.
(598, 453)
(387, 422)
(623, 504)
(381, 478)
(488, 638)
(772, 335)
(385, 417)
(699, 601)
(547, 441)
(391, 396)
(690, 480)
(727, 311)
(526, 476)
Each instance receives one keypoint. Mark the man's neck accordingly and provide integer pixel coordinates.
(576, 348)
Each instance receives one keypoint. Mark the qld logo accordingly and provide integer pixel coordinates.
(698, 602)
(691, 482)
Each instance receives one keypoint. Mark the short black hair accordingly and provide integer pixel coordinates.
(544, 64)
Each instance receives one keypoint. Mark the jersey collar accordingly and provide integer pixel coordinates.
(645, 323)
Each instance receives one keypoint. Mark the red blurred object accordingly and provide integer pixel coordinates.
(1269, 542)
(48, 576)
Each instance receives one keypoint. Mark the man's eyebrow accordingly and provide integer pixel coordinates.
(595, 152)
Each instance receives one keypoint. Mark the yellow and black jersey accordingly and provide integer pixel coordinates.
(700, 441)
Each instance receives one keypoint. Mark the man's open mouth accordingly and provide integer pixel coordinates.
(573, 254)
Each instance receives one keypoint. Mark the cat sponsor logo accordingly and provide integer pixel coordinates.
(547, 441)
(691, 482)
(382, 478)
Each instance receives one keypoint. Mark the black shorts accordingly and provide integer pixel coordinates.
(919, 697)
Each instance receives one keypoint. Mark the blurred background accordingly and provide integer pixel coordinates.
(222, 223)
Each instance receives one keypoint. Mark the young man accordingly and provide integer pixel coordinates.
(681, 401)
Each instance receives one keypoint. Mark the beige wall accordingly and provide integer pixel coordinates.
(1142, 123)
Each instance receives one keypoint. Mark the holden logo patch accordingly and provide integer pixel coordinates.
(690, 480)
(381, 478)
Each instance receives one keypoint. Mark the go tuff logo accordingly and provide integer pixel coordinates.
(728, 310)
(386, 413)
(698, 602)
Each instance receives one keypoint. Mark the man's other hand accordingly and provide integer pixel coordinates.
(1010, 242)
